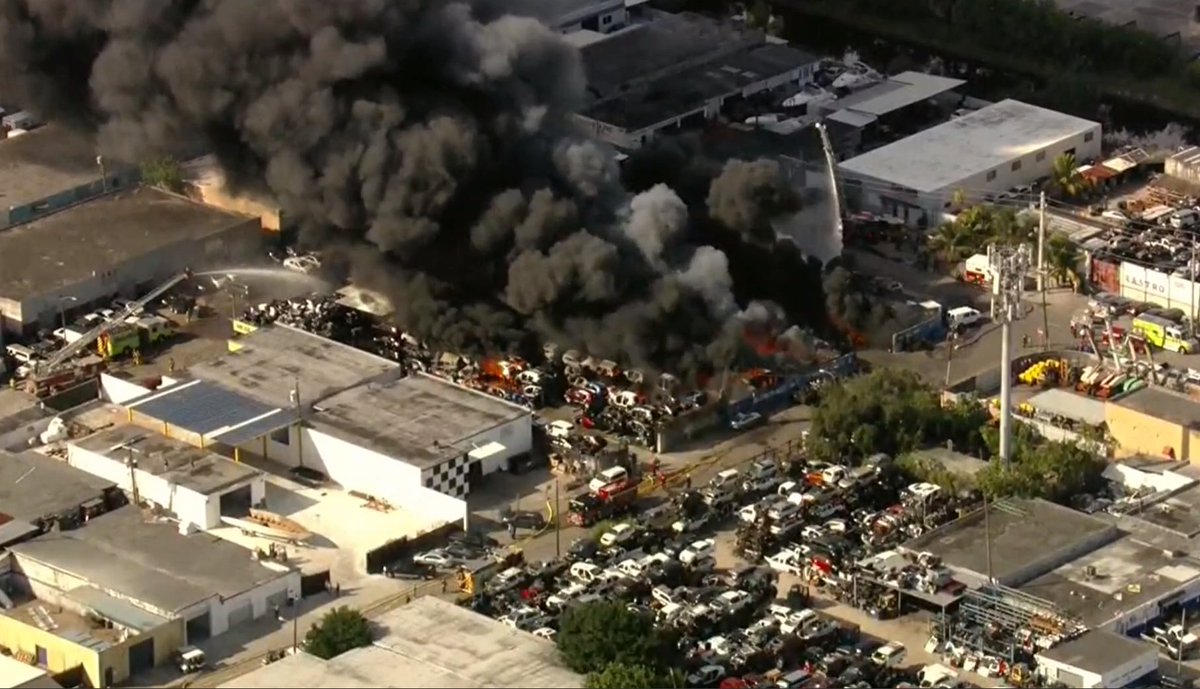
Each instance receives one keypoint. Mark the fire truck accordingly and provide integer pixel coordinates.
(977, 270)
(613, 499)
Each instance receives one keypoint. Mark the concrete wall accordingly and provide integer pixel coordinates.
(63, 654)
(1137, 434)
(141, 273)
(1172, 291)
(516, 436)
(261, 600)
(118, 390)
(363, 470)
(190, 507)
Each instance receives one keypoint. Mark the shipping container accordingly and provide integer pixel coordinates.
(1106, 275)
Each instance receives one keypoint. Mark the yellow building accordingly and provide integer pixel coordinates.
(1155, 422)
(103, 638)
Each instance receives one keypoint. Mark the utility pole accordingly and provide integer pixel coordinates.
(987, 537)
(1192, 288)
(1009, 266)
(557, 522)
(63, 313)
(1041, 245)
(1041, 270)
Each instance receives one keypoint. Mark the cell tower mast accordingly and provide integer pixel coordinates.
(1010, 266)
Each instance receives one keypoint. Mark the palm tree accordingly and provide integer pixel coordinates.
(1065, 177)
(1004, 226)
(954, 242)
(1063, 260)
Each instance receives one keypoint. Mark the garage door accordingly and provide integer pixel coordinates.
(276, 600)
(198, 628)
(242, 615)
(141, 656)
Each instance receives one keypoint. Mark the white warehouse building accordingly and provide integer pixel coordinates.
(197, 486)
(993, 149)
(299, 400)
(123, 555)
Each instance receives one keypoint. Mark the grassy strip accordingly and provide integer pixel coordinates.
(1166, 93)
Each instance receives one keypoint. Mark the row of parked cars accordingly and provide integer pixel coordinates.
(734, 627)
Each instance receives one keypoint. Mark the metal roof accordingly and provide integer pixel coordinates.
(899, 92)
(256, 428)
(211, 411)
(852, 118)
(122, 612)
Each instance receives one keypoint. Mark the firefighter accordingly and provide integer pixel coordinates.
(1025, 341)
(137, 357)
(171, 365)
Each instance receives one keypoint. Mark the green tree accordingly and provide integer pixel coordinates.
(953, 243)
(595, 635)
(1042, 468)
(920, 468)
(1065, 178)
(1063, 260)
(626, 676)
(340, 630)
(891, 411)
(163, 172)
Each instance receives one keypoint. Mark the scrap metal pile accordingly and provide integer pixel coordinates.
(608, 398)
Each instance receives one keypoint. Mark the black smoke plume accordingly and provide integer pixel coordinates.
(429, 142)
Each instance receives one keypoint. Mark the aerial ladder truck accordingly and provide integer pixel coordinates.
(62, 370)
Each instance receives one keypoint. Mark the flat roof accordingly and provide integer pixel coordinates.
(1024, 533)
(419, 419)
(1178, 513)
(172, 460)
(274, 360)
(73, 244)
(47, 160)
(120, 611)
(1066, 403)
(1163, 404)
(942, 156)
(14, 673)
(62, 622)
(428, 643)
(18, 408)
(690, 90)
(149, 561)
(212, 411)
(900, 91)
(666, 43)
(1127, 575)
(1099, 651)
(46, 487)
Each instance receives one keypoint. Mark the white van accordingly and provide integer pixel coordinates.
(962, 317)
(726, 479)
(891, 654)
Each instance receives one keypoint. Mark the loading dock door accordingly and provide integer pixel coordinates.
(199, 628)
(141, 656)
(236, 503)
(241, 615)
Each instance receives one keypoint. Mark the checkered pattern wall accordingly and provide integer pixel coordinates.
(450, 477)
